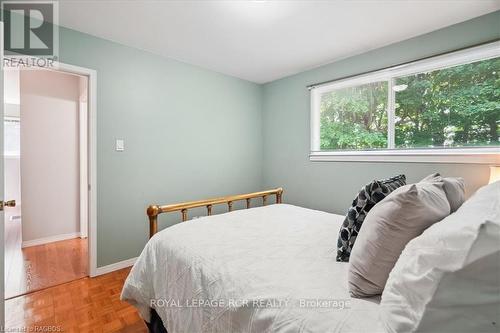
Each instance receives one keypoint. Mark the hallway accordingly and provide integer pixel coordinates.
(41, 266)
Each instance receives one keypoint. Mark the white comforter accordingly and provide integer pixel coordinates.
(267, 269)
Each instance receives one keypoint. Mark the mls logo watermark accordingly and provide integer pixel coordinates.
(31, 34)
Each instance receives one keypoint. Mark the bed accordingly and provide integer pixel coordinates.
(263, 269)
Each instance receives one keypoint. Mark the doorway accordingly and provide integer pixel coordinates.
(46, 158)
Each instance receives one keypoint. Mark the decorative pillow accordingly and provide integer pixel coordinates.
(367, 197)
(448, 278)
(454, 189)
(388, 227)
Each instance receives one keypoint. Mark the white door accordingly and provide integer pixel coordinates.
(2, 202)
(1, 188)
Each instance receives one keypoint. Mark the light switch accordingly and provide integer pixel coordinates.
(120, 145)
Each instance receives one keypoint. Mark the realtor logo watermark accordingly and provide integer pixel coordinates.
(31, 34)
(233, 303)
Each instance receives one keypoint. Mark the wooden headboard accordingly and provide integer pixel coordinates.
(154, 210)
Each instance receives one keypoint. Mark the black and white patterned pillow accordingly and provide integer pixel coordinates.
(367, 197)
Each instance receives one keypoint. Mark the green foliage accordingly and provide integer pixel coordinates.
(354, 118)
(452, 107)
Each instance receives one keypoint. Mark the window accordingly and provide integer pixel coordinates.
(441, 109)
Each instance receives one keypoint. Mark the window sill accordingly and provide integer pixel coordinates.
(490, 156)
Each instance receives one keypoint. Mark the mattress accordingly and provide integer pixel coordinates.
(266, 269)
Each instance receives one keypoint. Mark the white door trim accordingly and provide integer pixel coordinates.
(83, 83)
(90, 182)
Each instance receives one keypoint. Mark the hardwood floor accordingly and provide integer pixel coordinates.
(37, 267)
(85, 305)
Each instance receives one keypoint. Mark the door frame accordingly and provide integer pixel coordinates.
(88, 203)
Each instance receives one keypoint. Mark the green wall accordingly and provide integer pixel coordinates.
(331, 186)
(189, 133)
(192, 133)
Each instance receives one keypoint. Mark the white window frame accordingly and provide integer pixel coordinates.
(486, 155)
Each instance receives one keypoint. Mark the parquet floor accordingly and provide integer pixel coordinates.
(84, 305)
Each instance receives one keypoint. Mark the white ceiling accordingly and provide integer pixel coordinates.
(261, 41)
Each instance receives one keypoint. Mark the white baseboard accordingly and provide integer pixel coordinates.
(116, 266)
(50, 239)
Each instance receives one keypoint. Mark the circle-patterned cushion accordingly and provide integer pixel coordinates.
(367, 197)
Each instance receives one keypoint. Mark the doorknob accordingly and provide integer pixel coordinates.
(9, 203)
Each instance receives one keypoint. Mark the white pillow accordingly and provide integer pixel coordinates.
(448, 278)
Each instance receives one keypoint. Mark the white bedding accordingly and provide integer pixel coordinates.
(250, 262)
